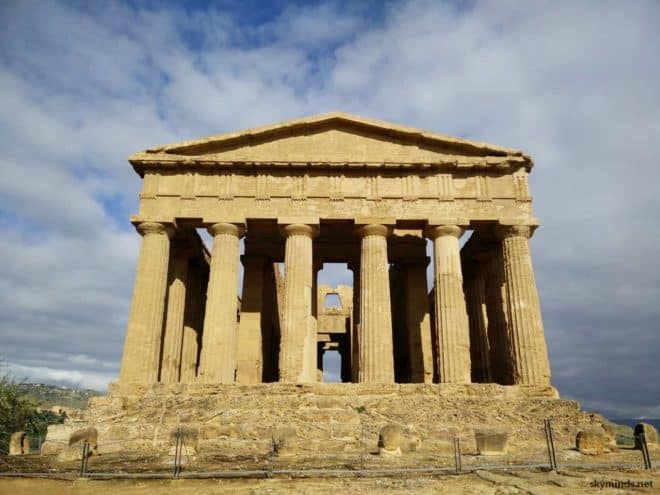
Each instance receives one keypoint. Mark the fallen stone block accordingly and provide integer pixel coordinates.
(491, 442)
(590, 441)
(285, 441)
(19, 443)
(389, 440)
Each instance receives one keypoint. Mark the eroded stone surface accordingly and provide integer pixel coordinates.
(334, 188)
(491, 442)
(591, 441)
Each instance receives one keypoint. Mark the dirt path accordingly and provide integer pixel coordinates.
(480, 482)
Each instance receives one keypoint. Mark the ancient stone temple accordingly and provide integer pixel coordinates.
(441, 336)
(334, 189)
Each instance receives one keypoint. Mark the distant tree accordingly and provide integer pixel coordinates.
(21, 413)
(15, 410)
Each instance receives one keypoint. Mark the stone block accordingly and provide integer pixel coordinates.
(591, 441)
(325, 402)
(411, 443)
(437, 447)
(650, 433)
(89, 435)
(390, 440)
(285, 441)
(188, 435)
(218, 431)
(343, 430)
(19, 443)
(491, 442)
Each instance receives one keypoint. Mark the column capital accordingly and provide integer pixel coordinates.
(145, 228)
(300, 229)
(235, 229)
(505, 231)
(435, 231)
(373, 229)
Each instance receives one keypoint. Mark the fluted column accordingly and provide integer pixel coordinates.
(312, 337)
(218, 361)
(249, 365)
(354, 266)
(193, 322)
(418, 323)
(376, 362)
(452, 328)
(295, 362)
(477, 317)
(528, 348)
(176, 302)
(497, 311)
(145, 322)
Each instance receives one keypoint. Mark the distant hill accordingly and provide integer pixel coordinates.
(47, 396)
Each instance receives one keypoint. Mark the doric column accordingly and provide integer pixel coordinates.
(528, 348)
(497, 316)
(376, 362)
(452, 328)
(270, 325)
(295, 362)
(218, 361)
(193, 321)
(354, 266)
(145, 322)
(176, 303)
(313, 328)
(476, 307)
(249, 365)
(418, 322)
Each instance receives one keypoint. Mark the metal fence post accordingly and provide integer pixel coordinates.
(550, 442)
(645, 451)
(457, 454)
(83, 461)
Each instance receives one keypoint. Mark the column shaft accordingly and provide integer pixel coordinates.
(354, 266)
(479, 346)
(295, 362)
(312, 337)
(498, 320)
(420, 346)
(249, 365)
(450, 313)
(193, 322)
(145, 322)
(528, 348)
(218, 359)
(376, 363)
(176, 303)
(270, 325)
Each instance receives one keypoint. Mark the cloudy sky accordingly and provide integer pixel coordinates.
(575, 84)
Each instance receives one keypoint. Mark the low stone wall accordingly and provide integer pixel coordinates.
(332, 418)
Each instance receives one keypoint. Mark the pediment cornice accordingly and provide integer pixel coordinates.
(331, 140)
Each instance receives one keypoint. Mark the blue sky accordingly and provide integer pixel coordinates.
(575, 84)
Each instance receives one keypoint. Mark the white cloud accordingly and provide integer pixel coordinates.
(70, 378)
(572, 83)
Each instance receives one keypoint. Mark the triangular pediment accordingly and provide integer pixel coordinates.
(329, 138)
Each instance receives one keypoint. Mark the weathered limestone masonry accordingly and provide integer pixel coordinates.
(333, 188)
